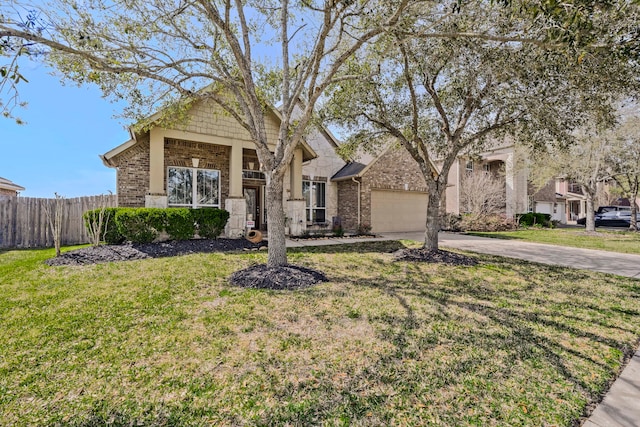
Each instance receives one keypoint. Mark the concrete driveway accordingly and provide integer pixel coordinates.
(587, 259)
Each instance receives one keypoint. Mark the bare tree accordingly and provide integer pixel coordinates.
(482, 193)
(54, 210)
(97, 220)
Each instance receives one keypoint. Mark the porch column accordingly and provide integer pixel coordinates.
(296, 204)
(157, 197)
(235, 204)
(510, 181)
(235, 171)
(452, 192)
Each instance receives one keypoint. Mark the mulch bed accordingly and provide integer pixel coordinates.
(426, 255)
(287, 277)
(259, 276)
(128, 252)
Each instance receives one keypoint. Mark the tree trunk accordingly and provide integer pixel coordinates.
(275, 220)
(590, 224)
(633, 225)
(433, 221)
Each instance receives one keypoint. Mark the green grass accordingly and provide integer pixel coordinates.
(170, 342)
(614, 241)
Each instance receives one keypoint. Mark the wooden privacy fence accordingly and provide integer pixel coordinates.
(24, 222)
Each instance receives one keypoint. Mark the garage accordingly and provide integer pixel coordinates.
(398, 211)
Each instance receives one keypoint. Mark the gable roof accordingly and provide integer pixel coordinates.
(357, 170)
(307, 152)
(348, 171)
(5, 184)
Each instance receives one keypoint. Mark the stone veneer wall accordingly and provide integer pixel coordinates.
(132, 179)
(180, 152)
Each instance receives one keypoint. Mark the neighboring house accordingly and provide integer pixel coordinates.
(551, 199)
(576, 201)
(389, 193)
(211, 161)
(8, 188)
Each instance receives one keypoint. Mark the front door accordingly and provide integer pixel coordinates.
(252, 196)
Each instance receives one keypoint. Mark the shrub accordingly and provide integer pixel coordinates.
(140, 225)
(364, 229)
(486, 223)
(534, 218)
(450, 222)
(108, 230)
(143, 225)
(180, 223)
(210, 222)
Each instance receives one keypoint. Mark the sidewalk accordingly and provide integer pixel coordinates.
(621, 405)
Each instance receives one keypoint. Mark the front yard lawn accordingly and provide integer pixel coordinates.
(169, 342)
(614, 241)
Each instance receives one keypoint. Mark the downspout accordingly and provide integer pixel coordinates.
(353, 178)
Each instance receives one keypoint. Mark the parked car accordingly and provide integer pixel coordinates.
(603, 209)
(615, 219)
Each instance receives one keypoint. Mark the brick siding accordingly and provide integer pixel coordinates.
(133, 167)
(132, 180)
(391, 171)
(348, 204)
(180, 152)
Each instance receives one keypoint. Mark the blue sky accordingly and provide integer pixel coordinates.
(67, 128)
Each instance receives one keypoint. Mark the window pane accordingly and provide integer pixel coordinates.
(207, 191)
(319, 215)
(180, 186)
(319, 195)
(306, 193)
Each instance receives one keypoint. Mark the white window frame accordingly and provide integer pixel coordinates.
(194, 188)
(468, 167)
(309, 208)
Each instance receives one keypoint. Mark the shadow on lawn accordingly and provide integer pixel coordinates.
(443, 336)
(525, 330)
(386, 246)
(493, 236)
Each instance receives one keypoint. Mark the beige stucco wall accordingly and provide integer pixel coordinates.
(324, 167)
(452, 192)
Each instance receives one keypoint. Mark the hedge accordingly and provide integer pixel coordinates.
(209, 222)
(535, 218)
(143, 225)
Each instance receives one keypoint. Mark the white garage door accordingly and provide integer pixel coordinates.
(398, 211)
